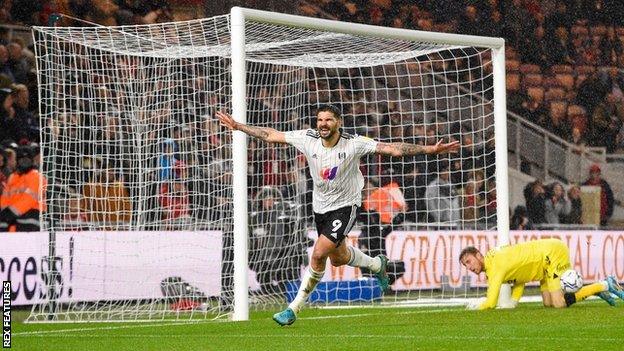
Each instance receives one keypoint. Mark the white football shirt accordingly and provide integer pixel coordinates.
(338, 181)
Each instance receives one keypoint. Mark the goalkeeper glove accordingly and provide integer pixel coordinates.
(474, 304)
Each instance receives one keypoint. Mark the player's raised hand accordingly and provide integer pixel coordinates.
(443, 148)
(227, 121)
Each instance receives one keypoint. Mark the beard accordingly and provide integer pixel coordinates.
(330, 134)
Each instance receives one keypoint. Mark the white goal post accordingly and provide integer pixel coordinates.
(239, 16)
(155, 212)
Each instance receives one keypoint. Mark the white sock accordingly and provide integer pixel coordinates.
(308, 283)
(360, 259)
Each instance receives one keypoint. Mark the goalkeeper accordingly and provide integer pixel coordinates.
(334, 160)
(539, 260)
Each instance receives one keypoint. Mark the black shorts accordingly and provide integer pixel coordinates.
(336, 224)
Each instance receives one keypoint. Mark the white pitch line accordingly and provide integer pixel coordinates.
(116, 327)
(355, 336)
(41, 332)
(380, 312)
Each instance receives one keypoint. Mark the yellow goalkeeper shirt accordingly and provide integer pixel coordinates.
(519, 264)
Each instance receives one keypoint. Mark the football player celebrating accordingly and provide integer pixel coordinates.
(334, 160)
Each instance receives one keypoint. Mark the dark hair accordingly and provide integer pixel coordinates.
(330, 108)
(468, 250)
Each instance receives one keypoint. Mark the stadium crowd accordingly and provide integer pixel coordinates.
(564, 58)
(564, 61)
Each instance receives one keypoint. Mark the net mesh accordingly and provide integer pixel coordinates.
(139, 195)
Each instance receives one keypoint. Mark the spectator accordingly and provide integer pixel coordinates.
(517, 20)
(17, 63)
(24, 11)
(75, 218)
(556, 206)
(3, 178)
(576, 211)
(11, 162)
(520, 219)
(535, 197)
(174, 199)
(274, 241)
(168, 160)
(442, 201)
(28, 124)
(561, 51)
(472, 198)
(385, 207)
(535, 48)
(606, 122)
(5, 68)
(577, 138)
(414, 184)
(560, 17)
(535, 111)
(469, 22)
(490, 196)
(10, 126)
(606, 195)
(20, 201)
(611, 81)
(5, 13)
(611, 48)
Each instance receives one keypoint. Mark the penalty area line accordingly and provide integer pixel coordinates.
(355, 315)
(70, 330)
(338, 336)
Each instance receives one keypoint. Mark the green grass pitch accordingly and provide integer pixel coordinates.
(590, 325)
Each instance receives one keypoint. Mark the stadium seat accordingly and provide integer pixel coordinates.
(566, 80)
(579, 80)
(558, 108)
(551, 82)
(576, 110)
(556, 69)
(536, 93)
(512, 65)
(555, 94)
(511, 54)
(532, 80)
(584, 70)
(528, 68)
(513, 82)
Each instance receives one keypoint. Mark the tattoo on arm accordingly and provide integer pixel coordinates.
(258, 132)
(410, 149)
(401, 149)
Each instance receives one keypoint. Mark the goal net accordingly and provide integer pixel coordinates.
(140, 205)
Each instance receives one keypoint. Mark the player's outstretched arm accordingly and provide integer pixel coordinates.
(405, 149)
(269, 135)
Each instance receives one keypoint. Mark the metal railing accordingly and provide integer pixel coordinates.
(550, 156)
(16, 31)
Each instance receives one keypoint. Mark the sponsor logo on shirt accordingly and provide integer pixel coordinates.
(329, 173)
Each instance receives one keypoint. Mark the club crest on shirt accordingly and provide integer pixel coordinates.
(329, 173)
(342, 155)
